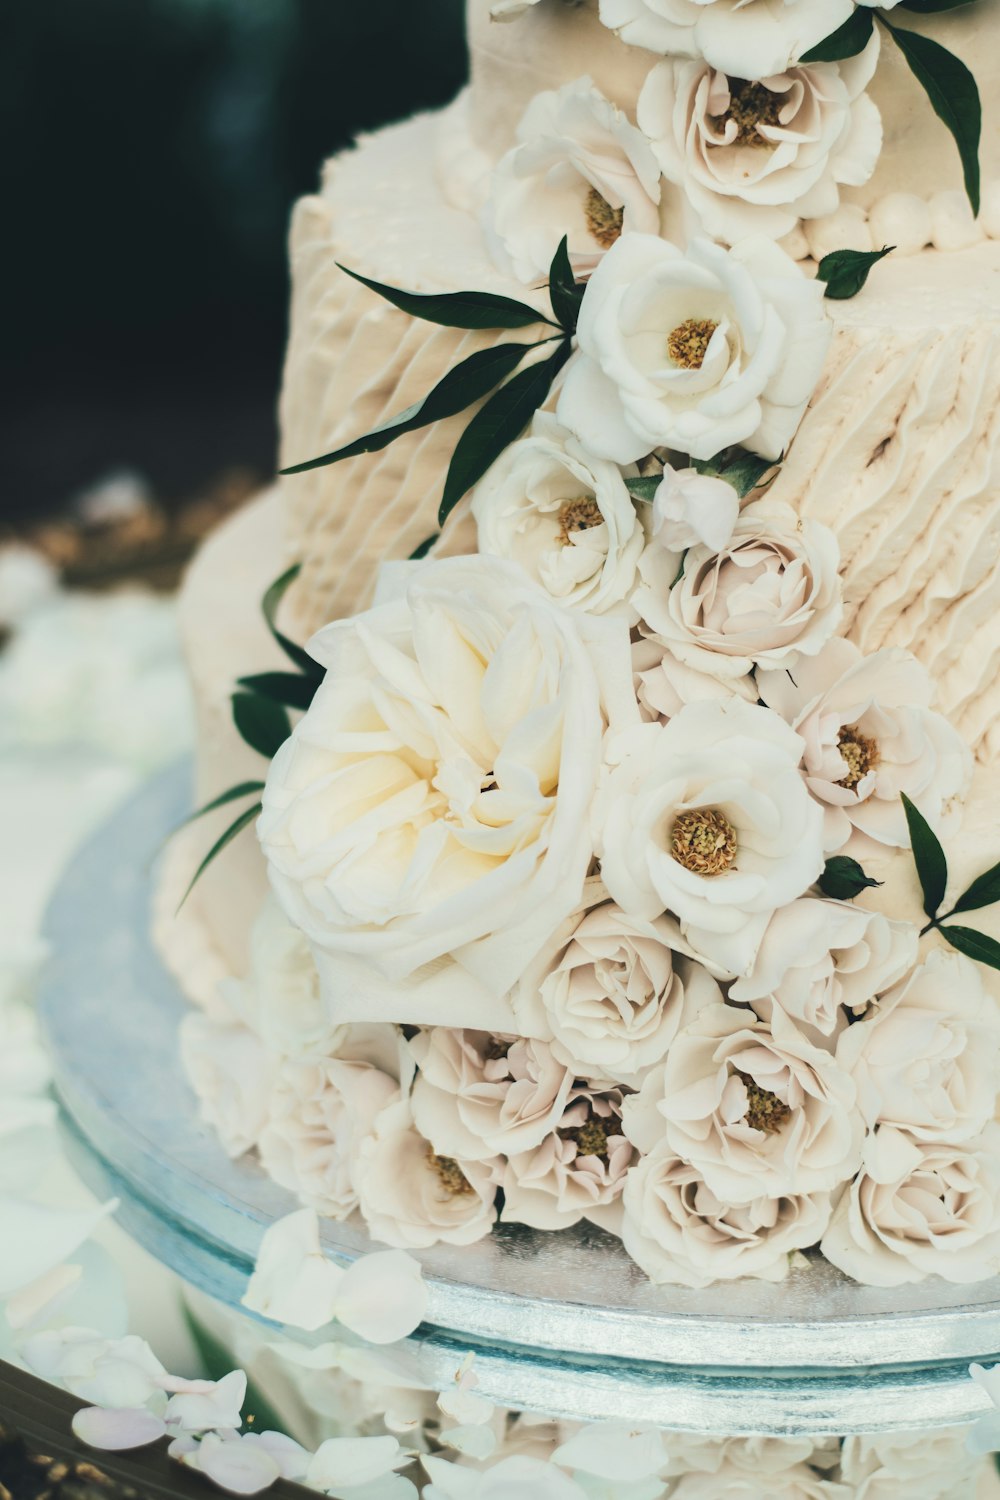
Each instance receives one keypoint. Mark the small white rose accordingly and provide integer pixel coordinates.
(869, 735)
(927, 1058)
(707, 817)
(756, 1108)
(918, 1210)
(580, 170)
(765, 599)
(823, 962)
(694, 350)
(756, 157)
(280, 1000)
(231, 1071)
(746, 38)
(692, 510)
(565, 517)
(680, 1232)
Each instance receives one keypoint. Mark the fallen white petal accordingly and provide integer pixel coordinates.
(350, 1462)
(474, 1441)
(116, 1430)
(382, 1297)
(36, 1239)
(293, 1282)
(220, 1405)
(239, 1467)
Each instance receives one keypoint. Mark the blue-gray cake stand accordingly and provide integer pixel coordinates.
(562, 1324)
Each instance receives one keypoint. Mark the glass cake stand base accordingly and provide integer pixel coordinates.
(560, 1324)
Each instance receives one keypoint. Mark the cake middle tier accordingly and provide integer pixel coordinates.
(899, 452)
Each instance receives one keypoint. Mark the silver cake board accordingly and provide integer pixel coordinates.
(563, 1324)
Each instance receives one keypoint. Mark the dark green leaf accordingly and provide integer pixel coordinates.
(846, 271)
(419, 553)
(290, 689)
(245, 789)
(263, 725)
(847, 41)
(564, 290)
(500, 423)
(985, 950)
(929, 858)
(644, 489)
(242, 822)
(984, 891)
(457, 309)
(843, 879)
(270, 604)
(954, 96)
(463, 386)
(746, 471)
(931, 7)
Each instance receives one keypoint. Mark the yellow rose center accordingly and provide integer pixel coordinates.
(577, 515)
(688, 344)
(603, 221)
(765, 1110)
(860, 753)
(450, 1175)
(591, 1138)
(704, 841)
(750, 105)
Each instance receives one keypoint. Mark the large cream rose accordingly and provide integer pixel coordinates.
(580, 170)
(679, 1231)
(694, 350)
(756, 157)
(577, 1172)
(756, 1108)
(566, 517)
(927, 1058)
(747, 38)
(869, 735)
(707, 817)
(766, 599)
(917, 1210)
(426, 825)
(824, 962)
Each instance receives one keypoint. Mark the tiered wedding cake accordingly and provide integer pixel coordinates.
(620, 856)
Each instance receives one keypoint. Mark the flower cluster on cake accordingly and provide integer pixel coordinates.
(571, 842)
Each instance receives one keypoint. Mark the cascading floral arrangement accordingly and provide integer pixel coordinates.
(571, 918)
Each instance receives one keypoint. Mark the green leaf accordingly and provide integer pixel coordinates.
(746, 471)
(500, 423)
(954, 96)
(245, 789)
(985, 950)
(847, 41)
(456, 309)
(645, 488)
(290, 689)
(231, 832)
(846, 271)
(843, 879)
(262, 724)
(270, 604)
(984, 891)
(929, 858)
(463, 386)
(564, 290)
(419, 553)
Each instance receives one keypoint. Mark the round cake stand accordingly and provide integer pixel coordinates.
(562, 1324)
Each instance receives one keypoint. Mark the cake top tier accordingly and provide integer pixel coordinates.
(553, 42)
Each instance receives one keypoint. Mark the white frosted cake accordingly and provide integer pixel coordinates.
(609, 871)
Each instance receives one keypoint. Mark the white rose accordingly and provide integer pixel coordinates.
(769, 597)
(479, 1096)
(577, 1172)
(927, 1058)
(731, 1483)
(580, 169)
(692, 509)
(823, 961)
(755, 158)
(566, 517)
(433, 802)
(663, 684)
(869, 735)
(411, 1197)
(231, 1072)
(926, 1465)
(694, 350)
(280, 999)
(917, 1210)
(755, 1455)
(678, 1231)
(608, 996)
(707, 817)
(747, 38)
(756, 1108)
(319, 1112)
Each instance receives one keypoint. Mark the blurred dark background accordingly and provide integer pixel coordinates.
(152, 150)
